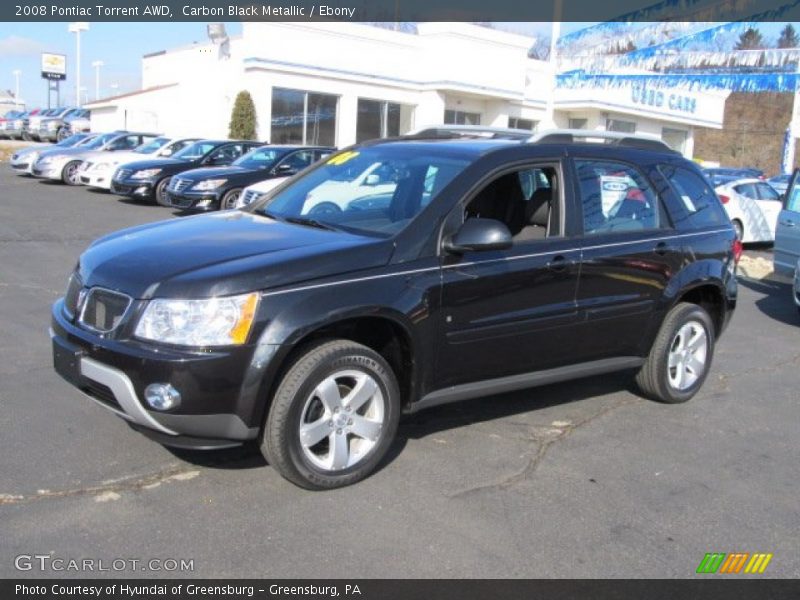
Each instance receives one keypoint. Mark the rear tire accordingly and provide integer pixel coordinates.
(70, 174)
(333, 416)
(681, 355)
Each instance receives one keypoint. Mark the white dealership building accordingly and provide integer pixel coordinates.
(338, 83)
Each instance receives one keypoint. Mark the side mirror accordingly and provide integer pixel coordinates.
(285, 170)
(372, 179)
(477, 235)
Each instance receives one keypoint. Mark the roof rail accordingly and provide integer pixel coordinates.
(469, 131)
(576, 136)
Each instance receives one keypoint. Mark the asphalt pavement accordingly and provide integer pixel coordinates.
(583, 479)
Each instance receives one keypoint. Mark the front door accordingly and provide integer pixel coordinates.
(510, 312)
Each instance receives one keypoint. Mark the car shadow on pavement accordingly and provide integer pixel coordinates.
(777, 301)
(489, 408)
(440, 418)
(137, 203)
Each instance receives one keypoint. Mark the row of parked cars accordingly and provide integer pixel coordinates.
(190, 174)
(45, 125)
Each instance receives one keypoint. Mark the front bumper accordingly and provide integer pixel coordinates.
(192, 201)
(133, 188)
(97, 179)
(48, 170)
(22, 166)
(221, 391)
(796, 286)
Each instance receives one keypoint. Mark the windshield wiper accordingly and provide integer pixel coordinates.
(309, 222)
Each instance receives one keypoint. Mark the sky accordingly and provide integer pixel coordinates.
(121, 45)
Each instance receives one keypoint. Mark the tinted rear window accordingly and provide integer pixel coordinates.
(698, 205)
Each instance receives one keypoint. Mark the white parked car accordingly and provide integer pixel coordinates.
(753, 207)
(786, 255)
(98, 167)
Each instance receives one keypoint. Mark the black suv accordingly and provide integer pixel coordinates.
(469, 268)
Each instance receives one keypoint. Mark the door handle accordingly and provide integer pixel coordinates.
(787, 223)
(661, 248)
(559, 264)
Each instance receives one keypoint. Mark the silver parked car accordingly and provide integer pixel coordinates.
(22, 160)
(64, 165)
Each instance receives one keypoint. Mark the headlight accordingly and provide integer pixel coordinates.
(145, 174)
(54, 158)
(208, 184)
(100, 166)
(210, 322)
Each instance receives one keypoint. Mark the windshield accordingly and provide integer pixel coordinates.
(195, 151)
(152, 146)
(260, 158)
(101, 140)
(71, 140)
(375, 190)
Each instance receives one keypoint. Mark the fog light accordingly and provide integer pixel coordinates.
(162, 396)
(205, 202)
(142, 189)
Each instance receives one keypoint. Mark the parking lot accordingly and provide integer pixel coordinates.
(583, 479)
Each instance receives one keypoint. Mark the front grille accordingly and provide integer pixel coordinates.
(103, 310)
(177, 184)
(122, 174)
(101, 392)
(250, 196)
(74, 286)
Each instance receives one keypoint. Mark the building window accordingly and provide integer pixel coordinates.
(458, 117)
(303, 117)
(620, 126)
(517, 123)
(379, 119)
(675, 138)
(578, 123)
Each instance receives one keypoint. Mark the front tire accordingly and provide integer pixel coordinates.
(681, 355)
(161, 191)
(333, 416)
(229, 199)
(70, 174)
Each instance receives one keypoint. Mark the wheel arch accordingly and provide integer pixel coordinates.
(384, 331)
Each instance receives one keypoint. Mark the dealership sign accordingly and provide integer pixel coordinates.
(641, 94)
(54, 66)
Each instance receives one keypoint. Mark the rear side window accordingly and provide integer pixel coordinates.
(616, 198)
(699, 205)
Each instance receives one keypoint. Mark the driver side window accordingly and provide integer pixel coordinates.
(525, 200)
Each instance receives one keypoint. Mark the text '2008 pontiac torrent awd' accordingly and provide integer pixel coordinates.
(464, 268)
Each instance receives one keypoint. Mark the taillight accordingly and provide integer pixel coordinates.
(723, 198)
(737, 248)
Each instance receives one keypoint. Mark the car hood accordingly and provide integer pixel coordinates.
(118, 157)
(33, 150)
(222, 254)
(229, 172)
(77, 153)
(171, 165)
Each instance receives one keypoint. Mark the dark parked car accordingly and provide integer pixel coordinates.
(210, 188)
(495, 266)
(148, 179)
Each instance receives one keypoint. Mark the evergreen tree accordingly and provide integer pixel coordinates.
(788, 38)
(750, 40)
(243, 118)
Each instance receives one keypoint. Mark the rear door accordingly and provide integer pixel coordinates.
(787, 233)
(630, 252)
